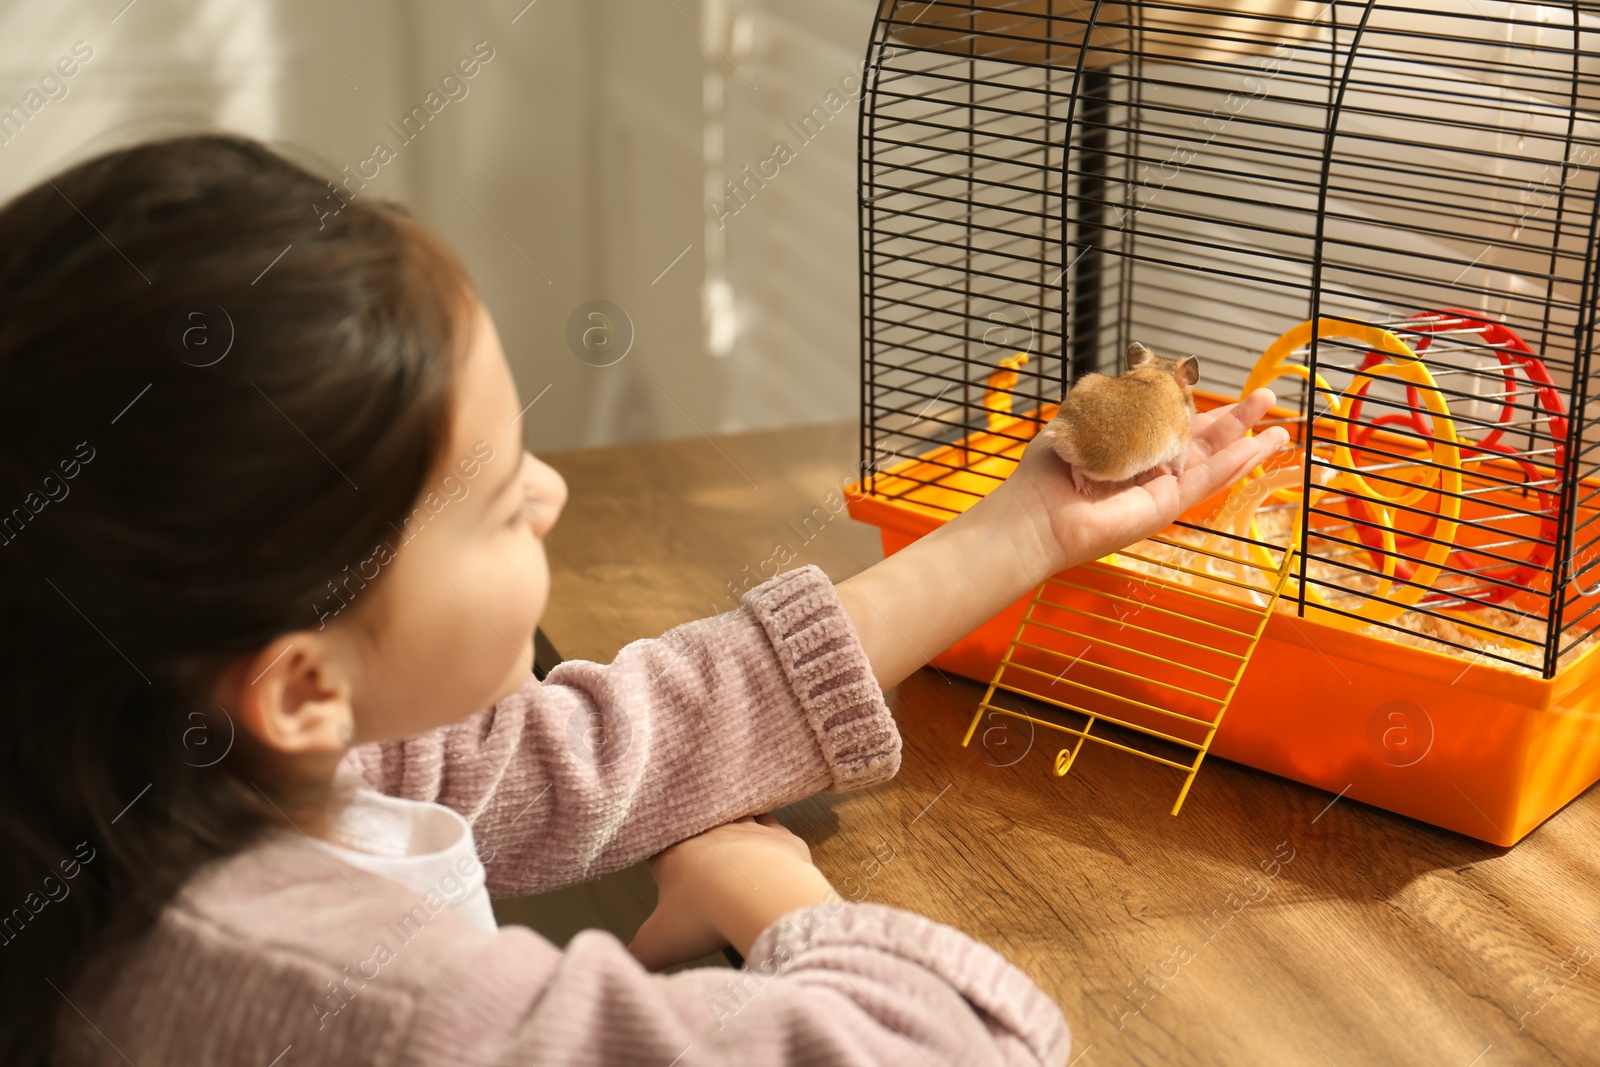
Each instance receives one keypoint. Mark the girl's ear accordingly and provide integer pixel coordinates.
(294, 695)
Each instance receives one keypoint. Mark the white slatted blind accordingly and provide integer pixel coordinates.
(790, 233)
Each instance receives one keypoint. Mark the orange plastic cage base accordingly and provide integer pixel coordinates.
(1488, 751)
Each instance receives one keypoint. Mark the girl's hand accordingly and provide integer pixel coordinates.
(950, 581)
(1074, 529)
(724, 887)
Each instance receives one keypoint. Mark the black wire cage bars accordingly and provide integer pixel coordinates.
(1386, 211)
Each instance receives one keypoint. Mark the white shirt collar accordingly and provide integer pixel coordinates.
(422, 845)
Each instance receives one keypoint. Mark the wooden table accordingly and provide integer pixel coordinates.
(1269, 923)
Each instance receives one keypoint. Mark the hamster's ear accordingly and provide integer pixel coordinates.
(1138, 355)
(1188, 370)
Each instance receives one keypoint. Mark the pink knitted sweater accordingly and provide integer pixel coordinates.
(722, 717)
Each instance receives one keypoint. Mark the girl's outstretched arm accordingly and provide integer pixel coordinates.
(602, 765)
(927, 596)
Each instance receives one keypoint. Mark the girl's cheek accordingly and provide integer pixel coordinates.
(528, 580)
(539, 587)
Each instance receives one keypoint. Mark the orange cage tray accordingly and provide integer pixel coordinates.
(1484, 749)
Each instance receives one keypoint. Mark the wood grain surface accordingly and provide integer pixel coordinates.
(1268, 923)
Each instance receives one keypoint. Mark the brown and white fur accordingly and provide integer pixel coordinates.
(1115, 429)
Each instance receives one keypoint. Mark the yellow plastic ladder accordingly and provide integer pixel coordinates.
(1158, 654)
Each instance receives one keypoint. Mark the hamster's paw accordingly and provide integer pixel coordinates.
(1081, 483)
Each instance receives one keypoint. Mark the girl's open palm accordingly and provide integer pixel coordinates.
(1074, 528)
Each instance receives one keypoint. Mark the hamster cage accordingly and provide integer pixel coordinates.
(1384, 211)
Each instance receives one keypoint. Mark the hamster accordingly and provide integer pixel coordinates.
(1115, 429)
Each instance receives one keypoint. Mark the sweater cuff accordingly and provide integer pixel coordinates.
(1015, 1010)
(822, 658)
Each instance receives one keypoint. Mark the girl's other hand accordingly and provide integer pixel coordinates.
(725, 886)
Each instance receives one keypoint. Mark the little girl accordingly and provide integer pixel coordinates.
(271, 561)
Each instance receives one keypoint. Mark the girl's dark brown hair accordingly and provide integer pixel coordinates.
(214, 397)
